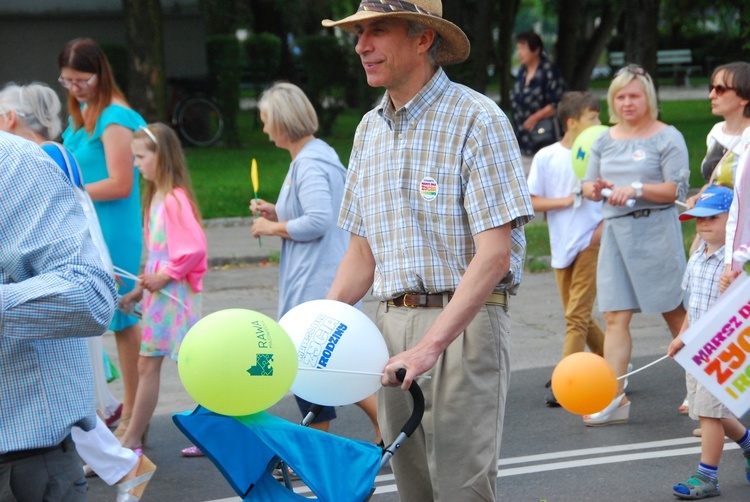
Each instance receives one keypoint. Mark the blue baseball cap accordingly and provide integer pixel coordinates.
(714, 200)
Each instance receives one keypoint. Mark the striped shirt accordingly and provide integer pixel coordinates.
(425, 179)
(701, 279)
(53, 286)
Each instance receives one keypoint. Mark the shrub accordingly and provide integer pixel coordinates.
(262, 59)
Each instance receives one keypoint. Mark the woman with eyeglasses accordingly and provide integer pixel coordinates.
(100, 128)
(644, 163)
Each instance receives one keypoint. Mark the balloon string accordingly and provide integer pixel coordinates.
(641, 369)
(352, 372)
(127, 274)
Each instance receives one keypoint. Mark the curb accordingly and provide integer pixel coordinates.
(237, 221)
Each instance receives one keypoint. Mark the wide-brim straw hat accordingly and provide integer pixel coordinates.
(454, 46)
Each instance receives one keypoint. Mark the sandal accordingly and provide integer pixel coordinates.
(132, 489)
(684, 409)
(89, 472)
(747, 468)
(192, 451)
(696, 488)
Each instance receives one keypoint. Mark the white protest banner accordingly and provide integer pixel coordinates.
(717, 348)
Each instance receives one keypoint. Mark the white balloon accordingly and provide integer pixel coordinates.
(331, 335)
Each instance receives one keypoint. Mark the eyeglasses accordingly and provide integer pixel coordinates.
(81, 84)
(719, 89)
(633, 69)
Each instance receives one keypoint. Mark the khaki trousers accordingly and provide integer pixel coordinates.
(577, 286)
(453, 454)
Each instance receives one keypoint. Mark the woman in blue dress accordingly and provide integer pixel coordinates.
(100, 128)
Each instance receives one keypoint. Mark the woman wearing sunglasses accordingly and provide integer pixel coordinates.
(99, 132)
(729, 94)
(641, 260)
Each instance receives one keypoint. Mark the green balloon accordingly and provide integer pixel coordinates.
(237, 362)
(581, 150)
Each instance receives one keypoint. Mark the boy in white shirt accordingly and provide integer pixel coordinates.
(575, 225)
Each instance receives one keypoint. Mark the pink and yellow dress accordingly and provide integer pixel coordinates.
(176, 246)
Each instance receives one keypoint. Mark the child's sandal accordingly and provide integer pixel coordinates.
(696, 488)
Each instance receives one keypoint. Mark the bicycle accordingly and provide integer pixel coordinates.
(195, 115)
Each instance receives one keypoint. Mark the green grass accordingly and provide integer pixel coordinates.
(537, 243)
(221, 176)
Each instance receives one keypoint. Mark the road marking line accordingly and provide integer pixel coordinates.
(598, 450)
(568, 464)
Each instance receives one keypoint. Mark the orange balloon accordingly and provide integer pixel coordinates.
(584, 383)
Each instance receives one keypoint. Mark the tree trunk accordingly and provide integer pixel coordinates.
(641, 34)
(144, 30)
(569, 36)
(506, 15)
(595, 45)
(481, 45)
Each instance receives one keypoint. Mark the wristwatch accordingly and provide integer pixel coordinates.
(638, 188)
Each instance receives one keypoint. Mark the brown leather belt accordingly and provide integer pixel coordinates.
(436, 300)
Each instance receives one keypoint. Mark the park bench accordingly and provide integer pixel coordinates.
(677, 62)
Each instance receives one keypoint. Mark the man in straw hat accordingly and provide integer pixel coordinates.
(435, 199)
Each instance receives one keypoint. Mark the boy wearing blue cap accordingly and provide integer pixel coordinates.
(701, 279)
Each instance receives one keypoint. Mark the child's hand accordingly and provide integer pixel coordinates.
(134, 296)
(264, 209)
(727, 278)
(154, 282)
(675, 347)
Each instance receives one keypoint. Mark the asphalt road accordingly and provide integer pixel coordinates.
(547, 454)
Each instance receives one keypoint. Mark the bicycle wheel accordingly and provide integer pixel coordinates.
(200, 122)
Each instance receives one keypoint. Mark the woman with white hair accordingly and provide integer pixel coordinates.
(305, 213)
(642, 257)
(33, 112)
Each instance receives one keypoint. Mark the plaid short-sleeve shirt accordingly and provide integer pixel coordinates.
(701, 279)
(425, 179)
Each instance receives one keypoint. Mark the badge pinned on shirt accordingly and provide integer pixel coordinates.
(428, 188)
(639, 155)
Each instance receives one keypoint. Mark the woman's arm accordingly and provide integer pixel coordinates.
(119, 158)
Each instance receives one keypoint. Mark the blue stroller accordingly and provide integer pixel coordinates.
(247, 449)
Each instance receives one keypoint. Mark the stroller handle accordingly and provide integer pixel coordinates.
(418, 398)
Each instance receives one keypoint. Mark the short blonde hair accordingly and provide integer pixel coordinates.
(622, 78)
(288, 111)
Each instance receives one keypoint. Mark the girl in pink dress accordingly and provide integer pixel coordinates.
(171, 284)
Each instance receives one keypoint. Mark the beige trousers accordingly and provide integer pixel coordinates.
(577, 286)
(453, 454)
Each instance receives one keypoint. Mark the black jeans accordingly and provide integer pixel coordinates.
(44, 475)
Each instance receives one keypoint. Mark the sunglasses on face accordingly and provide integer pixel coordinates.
(719, 89)
(81, 84)
(633, 69)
